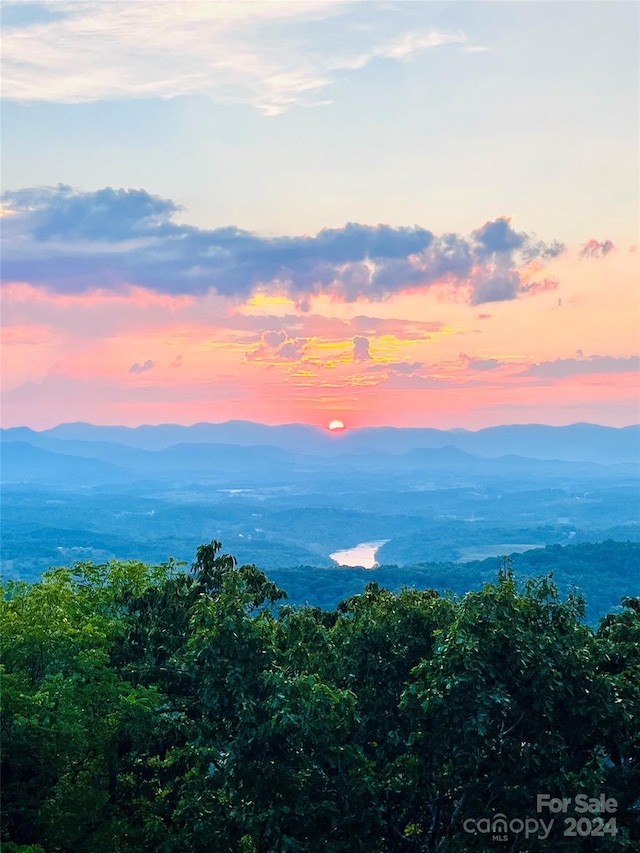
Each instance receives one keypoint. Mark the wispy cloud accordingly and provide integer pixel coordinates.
(596, 249)
(482, 363)
(271, 55)
(595, 364)
(142, 367)
(73, 242)
(403, 368)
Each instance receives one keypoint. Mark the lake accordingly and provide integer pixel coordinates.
(363, 554)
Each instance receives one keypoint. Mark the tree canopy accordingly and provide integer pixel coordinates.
(150, 708)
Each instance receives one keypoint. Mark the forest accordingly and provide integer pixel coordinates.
(603, 572)
(149, 708)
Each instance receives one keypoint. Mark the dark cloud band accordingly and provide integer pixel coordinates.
(71, 241)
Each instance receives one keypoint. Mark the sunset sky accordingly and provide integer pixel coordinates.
(406, 213)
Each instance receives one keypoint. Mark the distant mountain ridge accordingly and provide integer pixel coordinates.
(580, 442)
(56, 461)
(25, 462)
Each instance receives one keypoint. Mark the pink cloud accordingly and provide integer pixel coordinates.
(361, 348)
(594, 249)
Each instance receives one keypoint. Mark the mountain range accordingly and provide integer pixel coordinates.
(237, 450)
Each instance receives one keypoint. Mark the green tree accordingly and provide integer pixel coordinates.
(510, 704)
(149, 708)
(64, 708)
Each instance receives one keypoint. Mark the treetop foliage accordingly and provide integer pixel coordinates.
(150, 708)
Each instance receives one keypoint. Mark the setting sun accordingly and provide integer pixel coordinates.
(336, 425)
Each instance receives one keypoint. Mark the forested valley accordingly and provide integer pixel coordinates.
(153, 708)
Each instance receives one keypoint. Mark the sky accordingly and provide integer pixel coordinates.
(403, 213)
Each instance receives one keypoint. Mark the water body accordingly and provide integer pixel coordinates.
(363, 554)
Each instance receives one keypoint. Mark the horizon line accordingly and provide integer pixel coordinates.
(323, 429)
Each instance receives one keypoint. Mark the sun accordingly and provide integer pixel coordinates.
(336, 425)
